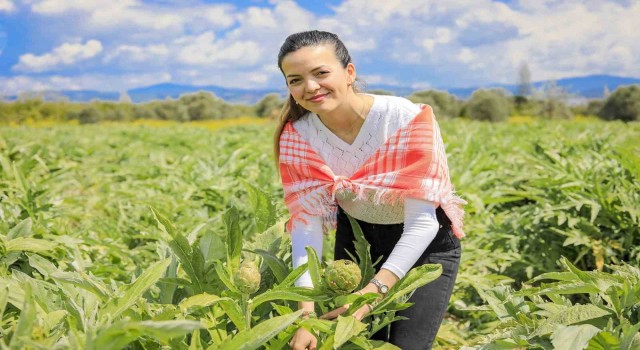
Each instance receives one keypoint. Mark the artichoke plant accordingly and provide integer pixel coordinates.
(342, 276)
(247, 278)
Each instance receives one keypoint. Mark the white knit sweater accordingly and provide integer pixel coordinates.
(387, 115)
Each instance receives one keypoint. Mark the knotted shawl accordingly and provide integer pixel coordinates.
(411, 163)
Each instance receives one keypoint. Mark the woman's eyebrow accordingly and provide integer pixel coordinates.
(313, 70)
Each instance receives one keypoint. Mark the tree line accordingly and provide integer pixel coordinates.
(550, 102)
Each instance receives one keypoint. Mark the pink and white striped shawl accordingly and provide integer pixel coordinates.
(411, 163)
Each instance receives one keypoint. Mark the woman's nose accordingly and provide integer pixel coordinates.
(312, 85)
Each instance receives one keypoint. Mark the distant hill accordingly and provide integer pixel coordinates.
(592, 86)
(168, 90)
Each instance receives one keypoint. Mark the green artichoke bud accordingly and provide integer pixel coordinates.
(247, 278)
(342, 276)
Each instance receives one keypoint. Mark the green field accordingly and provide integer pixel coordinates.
(128, 236)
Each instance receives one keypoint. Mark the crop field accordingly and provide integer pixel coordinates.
(139, 237)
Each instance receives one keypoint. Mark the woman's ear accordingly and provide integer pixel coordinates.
(351, 74)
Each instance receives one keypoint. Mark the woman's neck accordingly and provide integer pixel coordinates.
(350, 112)
(346, 122)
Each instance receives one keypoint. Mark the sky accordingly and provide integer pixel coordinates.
(115, 45)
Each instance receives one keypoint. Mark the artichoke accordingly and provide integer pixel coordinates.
(247, 278)
(342, 276)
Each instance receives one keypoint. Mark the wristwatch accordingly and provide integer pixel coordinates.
(383, 289)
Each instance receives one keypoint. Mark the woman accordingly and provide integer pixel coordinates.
(378, 158)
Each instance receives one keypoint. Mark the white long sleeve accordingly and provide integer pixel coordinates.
(303, 235)
(420, 228)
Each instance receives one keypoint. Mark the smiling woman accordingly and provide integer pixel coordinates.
(377, 158)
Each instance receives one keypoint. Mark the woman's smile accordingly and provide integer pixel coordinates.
(317, 98)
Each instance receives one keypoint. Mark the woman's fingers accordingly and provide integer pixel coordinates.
(359, 314)
(303, 340)
(335, 313)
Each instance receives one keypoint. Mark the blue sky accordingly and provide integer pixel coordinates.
(114, 45)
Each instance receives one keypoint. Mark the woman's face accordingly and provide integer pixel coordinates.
(316, 79)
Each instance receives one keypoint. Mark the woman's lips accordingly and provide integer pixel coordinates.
(317, 98)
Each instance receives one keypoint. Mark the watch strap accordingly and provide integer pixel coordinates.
(380, 286)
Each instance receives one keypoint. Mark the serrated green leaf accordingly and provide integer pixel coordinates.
(119, 334)
(276, 265)
(255, 337)
(85, 282)
(22, 229)
(200, 301)
(223, 274)
(234, 312)
(52, 319)
(4, 298)
(315, 266)
(44, 266)
(293, 276)
(191, 260)
(234, 239)
(415, 278)
(164, 224)
(29, 245)
(291, 293)
(570, 316)
(134, 291)
(363, 250)
(573, 337)
(262, 205)
(346, 328)
(26, 320)
(604, 341)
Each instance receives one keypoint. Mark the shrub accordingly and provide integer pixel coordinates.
(488, 105)
(269, 106)
(89, 115)
(622, 104)
(444, 104)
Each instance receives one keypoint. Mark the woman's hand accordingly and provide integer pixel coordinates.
(358, 314)
(387, 277)
(303, 340)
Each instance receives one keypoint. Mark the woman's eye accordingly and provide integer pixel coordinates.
(323, 72)
(293, 81)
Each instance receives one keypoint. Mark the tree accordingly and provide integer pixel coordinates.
(524, 80)
(622, 104)
(488, 105)
(551, 102)
(89, 115)
(444, 104)
(269, 106)
(524, 86)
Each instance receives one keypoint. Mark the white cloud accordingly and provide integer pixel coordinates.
(56, 7)
(63, 55)
(101, 82)
(205, 50)
(105, 16)
(447, 43)
(7, 6)
(138, 54)
(466, 55)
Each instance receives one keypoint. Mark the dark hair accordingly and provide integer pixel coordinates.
(294, 42)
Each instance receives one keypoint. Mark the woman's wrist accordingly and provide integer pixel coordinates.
(385, 277)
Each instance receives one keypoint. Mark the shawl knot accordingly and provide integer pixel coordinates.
(341, 183)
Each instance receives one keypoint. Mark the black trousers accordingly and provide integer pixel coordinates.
(430, 301)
